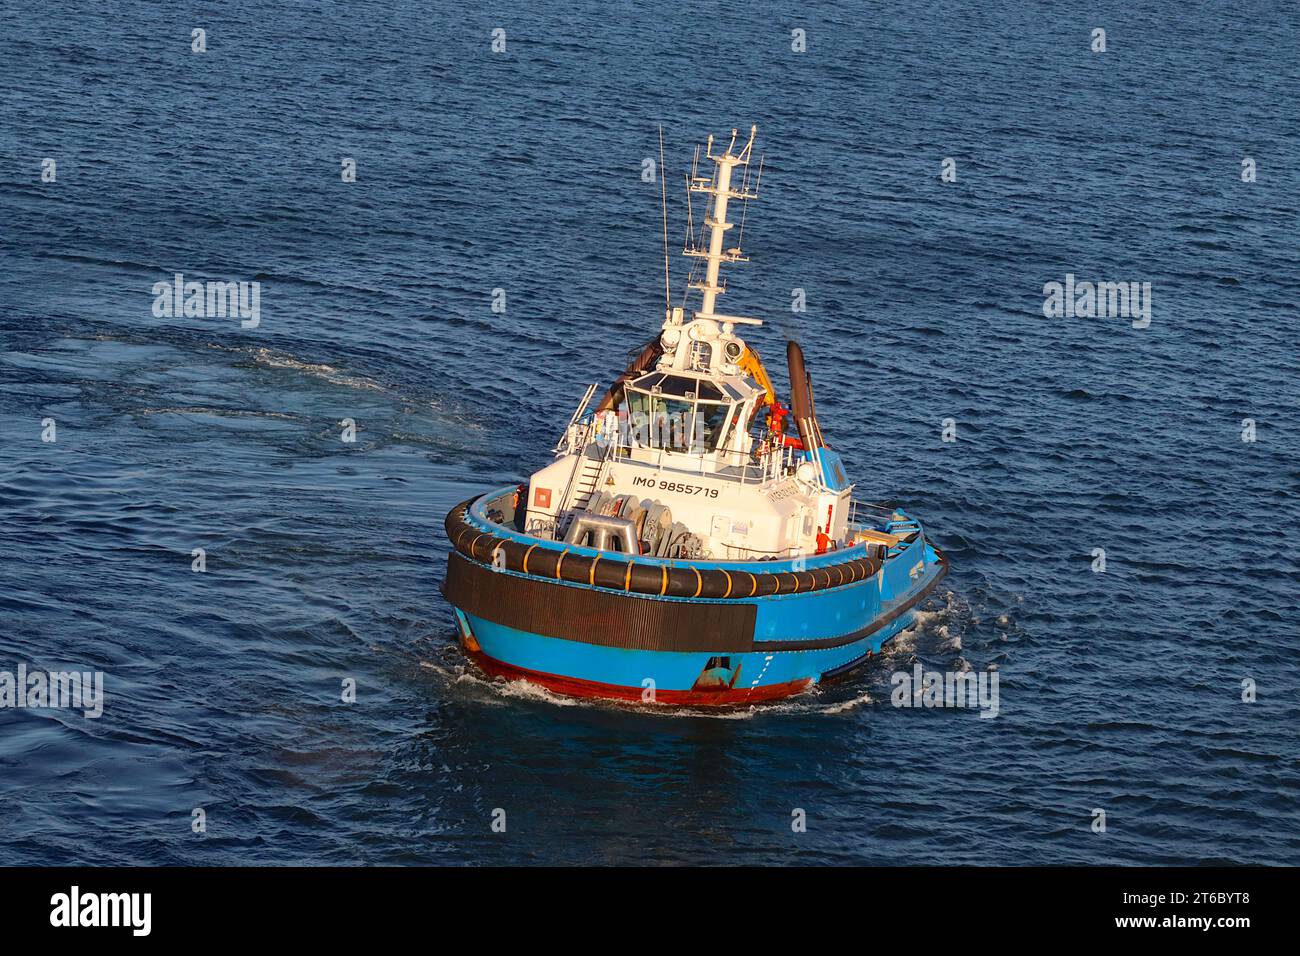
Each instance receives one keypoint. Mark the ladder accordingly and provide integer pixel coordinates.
(586, 481)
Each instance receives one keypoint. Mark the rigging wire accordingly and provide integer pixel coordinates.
(663, 190)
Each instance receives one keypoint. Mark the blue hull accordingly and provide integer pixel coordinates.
(795, 640)
(665, 677)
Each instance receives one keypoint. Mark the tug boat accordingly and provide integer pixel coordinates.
(695, 541)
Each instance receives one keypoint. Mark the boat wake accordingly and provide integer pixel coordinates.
(328, 373)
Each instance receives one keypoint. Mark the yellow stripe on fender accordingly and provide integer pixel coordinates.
(699, 581)
(526, 554)
(474, 544)
(558, 562)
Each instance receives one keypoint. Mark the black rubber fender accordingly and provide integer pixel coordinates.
(558, 561)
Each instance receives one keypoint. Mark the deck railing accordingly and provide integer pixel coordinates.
(587, 427)
(862, 513)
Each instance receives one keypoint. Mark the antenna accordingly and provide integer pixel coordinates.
(744, 210)
(663, 189)
(689, 239)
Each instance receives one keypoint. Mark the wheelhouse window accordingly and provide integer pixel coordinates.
(678, 413)
(671, 423)
(712, 425)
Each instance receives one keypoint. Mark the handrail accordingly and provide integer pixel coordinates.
(857, 509)
(578, 458)
(748, 469)
(578, 413)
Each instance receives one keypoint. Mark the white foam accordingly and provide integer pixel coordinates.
(848, 704)
(500, 692)
(329, 373)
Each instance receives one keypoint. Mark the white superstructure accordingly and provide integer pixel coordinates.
(690, 445)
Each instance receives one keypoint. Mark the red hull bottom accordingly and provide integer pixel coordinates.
(573, 687)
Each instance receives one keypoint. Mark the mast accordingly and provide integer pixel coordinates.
(707, 343)
(718, 188)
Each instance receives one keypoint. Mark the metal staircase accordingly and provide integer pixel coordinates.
(587, 480)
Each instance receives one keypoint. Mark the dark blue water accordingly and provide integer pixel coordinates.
(1119, 690)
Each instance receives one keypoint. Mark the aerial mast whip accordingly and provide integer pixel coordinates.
(663, 190)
